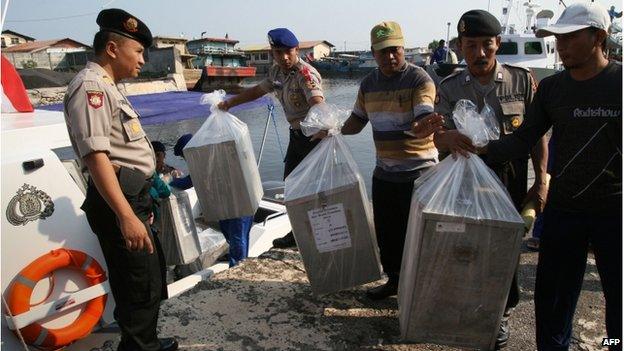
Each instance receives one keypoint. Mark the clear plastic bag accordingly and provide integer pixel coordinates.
(467, 187)
(329, 210)
(222, 164)
(462, 244)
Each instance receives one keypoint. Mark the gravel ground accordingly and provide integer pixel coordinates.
(266, 304)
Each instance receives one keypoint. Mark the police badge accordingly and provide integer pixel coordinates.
(27, 205)
(131, 25)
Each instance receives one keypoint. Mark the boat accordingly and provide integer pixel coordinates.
(42, 191)
(221, 64)
(524, 48)
(343, 64)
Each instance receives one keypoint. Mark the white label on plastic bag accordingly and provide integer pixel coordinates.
(329, 226)
(449, 227)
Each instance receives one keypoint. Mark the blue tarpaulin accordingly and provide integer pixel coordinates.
(172, 106)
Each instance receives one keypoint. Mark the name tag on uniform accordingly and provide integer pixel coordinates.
(131, 124)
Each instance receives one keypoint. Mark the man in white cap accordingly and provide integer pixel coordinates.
(583, 105)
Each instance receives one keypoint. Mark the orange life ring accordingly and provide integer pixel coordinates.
(22, 287)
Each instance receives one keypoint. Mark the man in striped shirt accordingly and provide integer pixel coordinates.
(397, 99)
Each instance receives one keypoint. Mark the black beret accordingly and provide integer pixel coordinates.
(478, 23)
(120, 22)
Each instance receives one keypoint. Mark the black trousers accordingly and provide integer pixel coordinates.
(299, 146)
(560, 271)
(135, 277)
(391, 207)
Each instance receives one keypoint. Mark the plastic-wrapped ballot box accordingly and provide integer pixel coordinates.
(461, 251)
(178, 236)
(222, 163)
(226, 179)
(336, 237)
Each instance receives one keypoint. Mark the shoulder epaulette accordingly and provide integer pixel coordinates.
(454, 74)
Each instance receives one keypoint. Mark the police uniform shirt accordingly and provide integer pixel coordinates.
(510, 91)
(100, 118)
(294, 89)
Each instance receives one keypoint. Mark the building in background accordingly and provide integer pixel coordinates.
(57, 54)
(11, 38)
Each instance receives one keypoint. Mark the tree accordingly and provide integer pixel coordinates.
(29, 64)
(434, 44)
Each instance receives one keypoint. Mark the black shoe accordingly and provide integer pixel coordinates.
(383, 291)
(285, 242)
(168, 344)
(503, 335)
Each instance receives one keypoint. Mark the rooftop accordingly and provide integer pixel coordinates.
(40, 45)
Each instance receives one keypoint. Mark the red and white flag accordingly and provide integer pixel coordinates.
(14, 96)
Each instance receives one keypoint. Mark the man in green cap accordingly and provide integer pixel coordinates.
(397, 99)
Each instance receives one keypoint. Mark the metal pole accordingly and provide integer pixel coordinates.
(266, 129)
(448, 28)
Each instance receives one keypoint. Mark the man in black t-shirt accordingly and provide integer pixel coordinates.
(583, 105)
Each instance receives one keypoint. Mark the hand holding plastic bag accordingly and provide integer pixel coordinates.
(330, 164)
(479, 127)
(327, 117)
(467, 187)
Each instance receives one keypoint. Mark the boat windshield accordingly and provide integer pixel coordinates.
(508, 48)
(533, 48)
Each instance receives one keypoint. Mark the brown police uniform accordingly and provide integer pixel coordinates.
(100, 118)
(294, 88)
(509, 94)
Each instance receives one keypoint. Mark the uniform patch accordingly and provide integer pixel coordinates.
(136, 128)
(305, 72)
(515, 122)
(95, 98)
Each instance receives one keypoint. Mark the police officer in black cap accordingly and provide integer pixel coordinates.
(107, 136)
(508, 90)
(297, 85)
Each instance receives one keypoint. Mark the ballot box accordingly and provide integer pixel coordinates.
(178, 234)
(225, 176)
(455, 278)
(335, 234)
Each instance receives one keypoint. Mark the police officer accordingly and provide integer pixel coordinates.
(297, 85)
(508, 90)
(107, 136)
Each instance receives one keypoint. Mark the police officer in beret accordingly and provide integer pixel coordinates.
(297, 85)
(112, 146)
(508, 90)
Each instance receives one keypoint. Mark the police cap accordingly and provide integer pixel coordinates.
(120, 22)
(181, 143)
(282, 38)
(478, 23)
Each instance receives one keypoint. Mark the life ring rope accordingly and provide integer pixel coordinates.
(20, 291)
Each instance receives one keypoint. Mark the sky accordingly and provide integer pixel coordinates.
(344, 23)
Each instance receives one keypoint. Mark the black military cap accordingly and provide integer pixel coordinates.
(478, 23)
(120, 22)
